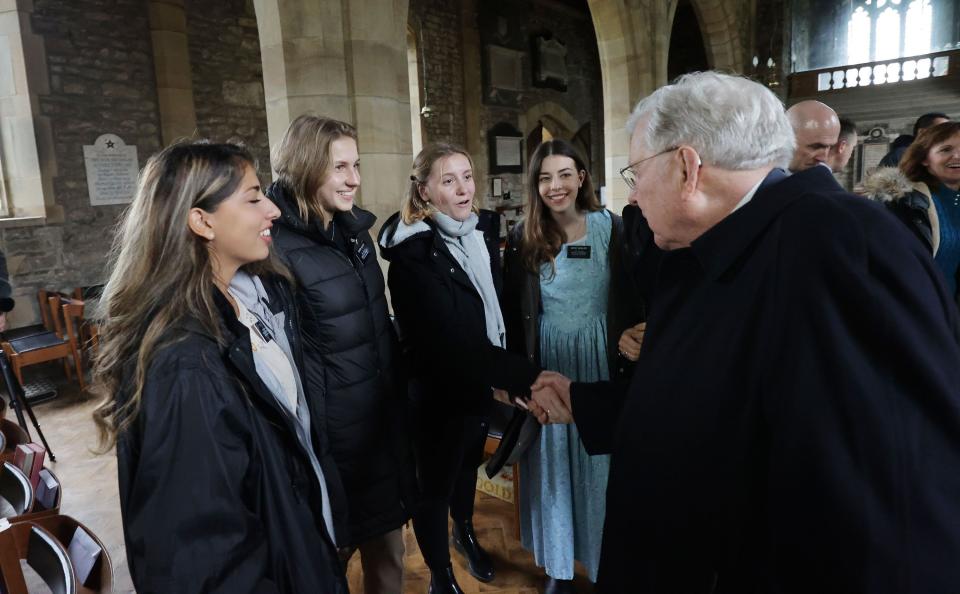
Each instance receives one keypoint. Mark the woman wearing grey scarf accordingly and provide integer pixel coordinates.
(444, 282)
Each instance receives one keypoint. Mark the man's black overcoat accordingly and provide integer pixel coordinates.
(793, 424)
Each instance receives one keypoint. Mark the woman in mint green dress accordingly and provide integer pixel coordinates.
(563, 289)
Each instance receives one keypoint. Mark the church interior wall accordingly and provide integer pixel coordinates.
(101, 77)
(514, 26)
(100, 63)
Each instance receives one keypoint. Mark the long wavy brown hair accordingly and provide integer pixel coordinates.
(161, 272)
(542, 236)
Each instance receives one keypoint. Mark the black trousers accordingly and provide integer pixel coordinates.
(448, 450)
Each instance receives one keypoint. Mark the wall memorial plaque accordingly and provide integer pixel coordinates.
(112, 170)
(549, 63)
(871, 153)
(506, 149)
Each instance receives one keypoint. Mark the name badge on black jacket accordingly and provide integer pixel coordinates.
(363, 252)
(581, 252)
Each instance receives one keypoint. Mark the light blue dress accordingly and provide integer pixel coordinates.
(562, 489)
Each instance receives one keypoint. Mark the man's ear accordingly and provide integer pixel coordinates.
(691, 163)
(198, 223)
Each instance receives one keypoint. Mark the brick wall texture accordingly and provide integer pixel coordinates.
(102, 80)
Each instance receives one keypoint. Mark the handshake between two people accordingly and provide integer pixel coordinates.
(549, 398)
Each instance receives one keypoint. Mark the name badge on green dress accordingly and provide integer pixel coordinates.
(578, 251)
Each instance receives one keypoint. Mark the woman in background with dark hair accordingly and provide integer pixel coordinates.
(567, 299)
(198, 371)
(925, 194)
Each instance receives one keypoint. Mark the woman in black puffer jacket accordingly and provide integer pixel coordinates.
(349, 342)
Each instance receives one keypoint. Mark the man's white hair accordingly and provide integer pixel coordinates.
(732, 122)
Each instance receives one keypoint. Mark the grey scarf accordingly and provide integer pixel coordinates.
(249, 290)
(467, 246)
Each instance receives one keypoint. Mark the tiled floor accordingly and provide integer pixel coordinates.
(90, 495)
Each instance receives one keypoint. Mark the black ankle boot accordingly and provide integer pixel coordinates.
(554, 586)
(465, 542)
(443, 582)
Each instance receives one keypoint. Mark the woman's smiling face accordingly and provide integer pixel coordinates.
(943, 161)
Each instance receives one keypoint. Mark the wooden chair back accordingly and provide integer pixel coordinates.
(16, 491)
(62, 528)
(45, 554)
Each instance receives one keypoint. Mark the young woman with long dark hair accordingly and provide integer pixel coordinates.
(221, 486)
(567, 299)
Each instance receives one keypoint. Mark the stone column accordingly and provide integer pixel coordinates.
(171, 59)
(629, 54)
(345, 60)
(634, 39)
(376, 41)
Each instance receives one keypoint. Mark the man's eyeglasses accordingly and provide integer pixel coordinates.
(628, 174)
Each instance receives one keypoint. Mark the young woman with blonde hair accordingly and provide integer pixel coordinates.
(350, 345)
(221, 489)
(444, 282)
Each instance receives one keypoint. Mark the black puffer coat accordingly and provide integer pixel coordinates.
(349, 348)
(450, 359)
(216, 493)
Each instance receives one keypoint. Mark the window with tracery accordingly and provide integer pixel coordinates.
(833, 33)
(888, 29)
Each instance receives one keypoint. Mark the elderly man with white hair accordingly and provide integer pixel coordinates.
(793, 422)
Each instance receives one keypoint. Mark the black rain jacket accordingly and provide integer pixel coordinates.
(216, 493)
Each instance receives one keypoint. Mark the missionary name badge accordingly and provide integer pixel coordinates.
(363, 251)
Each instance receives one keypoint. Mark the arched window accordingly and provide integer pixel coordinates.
(830, 34)
(888, 29)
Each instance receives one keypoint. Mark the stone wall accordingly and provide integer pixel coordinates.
(442, 61)
(228, 75)
(100, 62)
(435, 25)
(563, 111)
(101, 80)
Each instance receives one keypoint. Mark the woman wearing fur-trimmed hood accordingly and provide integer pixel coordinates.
(924, 193)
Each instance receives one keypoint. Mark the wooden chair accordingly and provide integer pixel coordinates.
(45, 346)
(62, 528)
(15, 435)
(43, 552)
(71, 314)
(85, 293)
(16, 491)
(46, 322)
(89, 330)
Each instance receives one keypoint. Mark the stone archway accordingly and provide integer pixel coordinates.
(632, 63)
(557, 119)
(346, 60)
(718, 21)
(633, 38)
